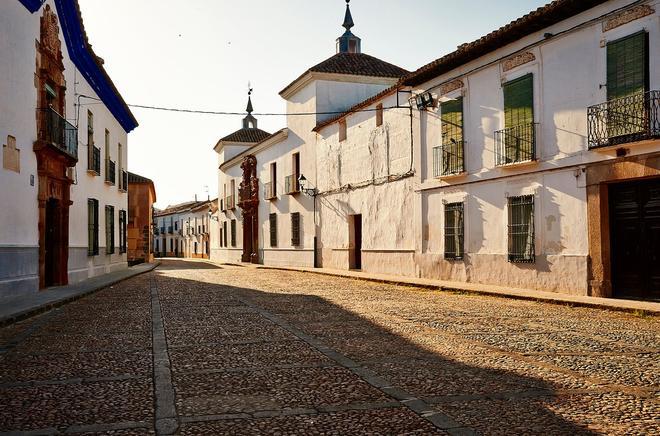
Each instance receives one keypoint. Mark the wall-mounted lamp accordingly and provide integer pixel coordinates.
(211, 216)
(305, 188)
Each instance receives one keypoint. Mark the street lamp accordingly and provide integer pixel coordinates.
(305, 189)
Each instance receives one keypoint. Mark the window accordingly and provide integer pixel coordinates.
(92, 227)
(273, 178)
(521, 229)
(107, 145)
(171, 245)
(342, 130)
(272, 218)
(119, 167)
(90, 141)
(295, 229)
(109, 229)
(627, 66)
(122, 231)
(516, 143)
(157, 249)
(233, 233)
(195, 247)
(176, 225)
(379, 115)
(454, 231)
(448, 158)
(224, 226)
(221, 238)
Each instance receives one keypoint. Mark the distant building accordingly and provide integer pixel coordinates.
(182, 230)
(141, 198)
(64, 128)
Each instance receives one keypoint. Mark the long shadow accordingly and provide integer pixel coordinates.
(488, 400)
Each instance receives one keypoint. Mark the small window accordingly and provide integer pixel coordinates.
(521, 229)
(272, 218)
(342, 130)
(295, 229)
(93, 227)
(379, 115)
(122, 231)
(224, 228)
(454, 231)
(109, 229)
(233, 233)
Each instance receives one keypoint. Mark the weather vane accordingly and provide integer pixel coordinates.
(250, 88)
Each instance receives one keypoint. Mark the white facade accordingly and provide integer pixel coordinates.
(19, 214)
(184, 230)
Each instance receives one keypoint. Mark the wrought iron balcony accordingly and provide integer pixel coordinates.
(123, 182)
(291, 185)
(58, 132)
(269, 191)
(162, 230)
(156, 231)
(448, 159)
(94, 160)
(624, 120)
(230, 202)
(516, 144)
(170, 230)
(110, 172)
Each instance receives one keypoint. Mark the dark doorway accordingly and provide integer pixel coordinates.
(635, 236)
(355, 236)
(53, 241)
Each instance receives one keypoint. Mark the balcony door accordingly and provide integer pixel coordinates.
(627, 81)
(635, 238)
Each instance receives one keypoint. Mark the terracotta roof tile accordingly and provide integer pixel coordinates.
(246, 135)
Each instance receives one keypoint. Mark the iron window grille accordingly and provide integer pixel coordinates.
(272, 219)
(291, 184)
(448, 159)
(224, 226)
(94, 160)
(516, 144)
(122, 231)
(92, 227)
(109, 229)
(110, 172)
(233, 233)
(623, 120)
(295, 229)
(123, 181)
(521, 229)
(454, 224)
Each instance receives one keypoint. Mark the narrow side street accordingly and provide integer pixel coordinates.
(194, 348)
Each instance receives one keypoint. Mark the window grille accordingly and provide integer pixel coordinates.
(521, 229)
(295, 229)
(233, 233)
(454, 224)
(122, 231)
(93, 227)
(272, 218)
(109, 229)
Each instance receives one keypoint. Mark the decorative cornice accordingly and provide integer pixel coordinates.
(448, 87)
(518, 60)
(627, 16)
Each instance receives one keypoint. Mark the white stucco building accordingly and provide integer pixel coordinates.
(64, 130)
(183, 230)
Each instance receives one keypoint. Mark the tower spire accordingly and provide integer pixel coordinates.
(348, 43)
(249, 122)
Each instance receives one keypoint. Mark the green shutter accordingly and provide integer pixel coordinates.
(627, 61)
(519, 101)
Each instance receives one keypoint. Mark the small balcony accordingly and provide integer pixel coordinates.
(230, 202)
(516, 144)
(58, 132)
(110, 172)
(269, 191)
(448, 159)
(624, 120)
(123, 182)
(156, 231)
(94, 160)
(291, 185)
(162, 230)
(170, 230)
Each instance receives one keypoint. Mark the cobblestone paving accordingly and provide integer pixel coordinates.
(197, 349)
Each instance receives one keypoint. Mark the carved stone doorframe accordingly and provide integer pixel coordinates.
(248, 196)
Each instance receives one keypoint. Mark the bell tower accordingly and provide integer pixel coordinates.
(348, 43)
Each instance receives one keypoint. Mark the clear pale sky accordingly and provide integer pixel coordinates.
(200, 54)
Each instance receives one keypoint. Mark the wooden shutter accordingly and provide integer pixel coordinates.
(295, 229)
(519, 101)
(627, 66)
(272, 218)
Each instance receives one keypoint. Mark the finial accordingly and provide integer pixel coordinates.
(249, 108)
(348, 19)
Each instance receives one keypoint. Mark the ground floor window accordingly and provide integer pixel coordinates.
(521, 229)
(109, 229)
(233, 233)
(122, 231)
(454, 231)
(272, 218)
(224, 227)
(295, 229)
(92, 227)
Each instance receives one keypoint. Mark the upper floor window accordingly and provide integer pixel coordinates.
(448, 157)
(517, 141)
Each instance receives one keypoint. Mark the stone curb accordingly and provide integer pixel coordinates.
(46, 306)
(608, 304)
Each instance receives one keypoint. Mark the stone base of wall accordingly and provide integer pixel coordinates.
(19, 270)
(83, 267)
(283, 257)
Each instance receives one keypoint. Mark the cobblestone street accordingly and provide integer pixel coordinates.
(194, 348)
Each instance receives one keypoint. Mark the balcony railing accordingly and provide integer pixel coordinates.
(269, 191)
(448, 159)
(123, 182)
(516, 144)
(230, 202)
(110, 172)
(170, 230)
(623, 120)
(291, 185)
(162, 230)
(57, 131)
(94, 160)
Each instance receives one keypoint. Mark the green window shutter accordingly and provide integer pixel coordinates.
(627, 65)
(295, 229)
(519, 101)
(273, 229)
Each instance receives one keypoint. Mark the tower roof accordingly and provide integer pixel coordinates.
(348, 43)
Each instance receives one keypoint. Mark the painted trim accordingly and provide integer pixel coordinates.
(32, 5)
(88, 65)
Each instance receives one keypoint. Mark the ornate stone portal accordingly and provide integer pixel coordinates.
(248, 201)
